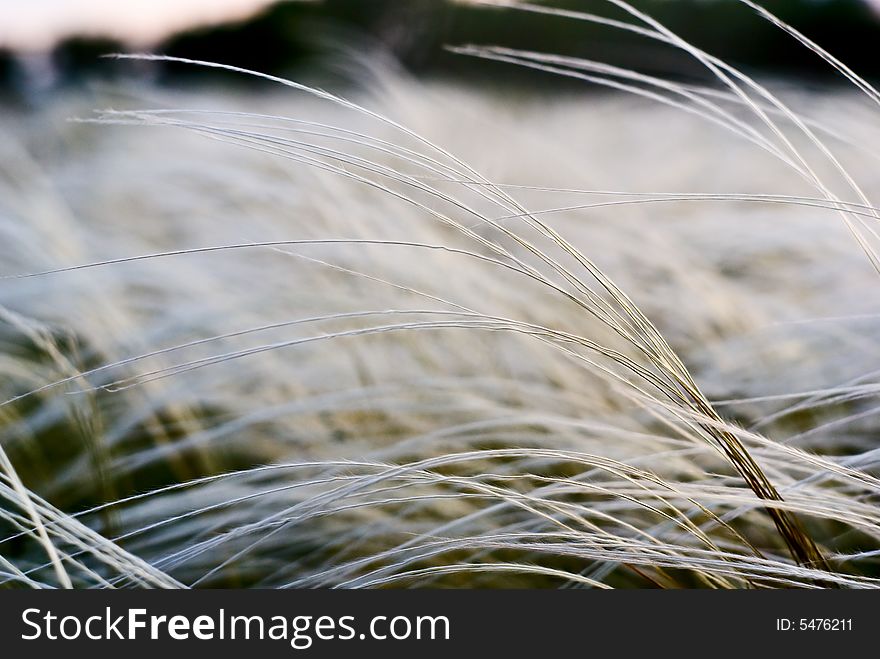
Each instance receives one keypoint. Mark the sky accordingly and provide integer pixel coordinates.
(38, 24)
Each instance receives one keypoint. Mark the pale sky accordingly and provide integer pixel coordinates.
(38, 24)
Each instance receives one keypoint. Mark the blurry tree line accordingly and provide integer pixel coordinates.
(295, 37)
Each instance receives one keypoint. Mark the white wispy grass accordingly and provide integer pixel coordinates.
(321, 349)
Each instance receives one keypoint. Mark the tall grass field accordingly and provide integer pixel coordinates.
(432, 334)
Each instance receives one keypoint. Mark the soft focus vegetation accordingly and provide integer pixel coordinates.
(437, 336)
